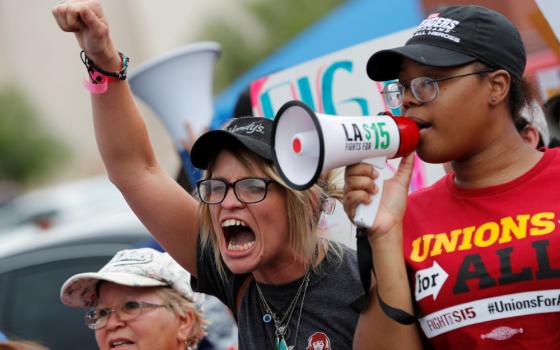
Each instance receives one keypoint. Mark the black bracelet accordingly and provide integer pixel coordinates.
(398, 315)
(91, 67)
(365, 267)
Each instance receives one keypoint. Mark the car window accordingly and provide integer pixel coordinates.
(32, 309)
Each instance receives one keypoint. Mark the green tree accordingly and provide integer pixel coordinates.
(27, 151)
(276, 23)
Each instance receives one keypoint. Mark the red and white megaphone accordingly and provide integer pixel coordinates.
(307, 144)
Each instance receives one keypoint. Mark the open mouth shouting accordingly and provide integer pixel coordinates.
(238, 236)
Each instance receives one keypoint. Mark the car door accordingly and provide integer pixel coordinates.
(30, 306)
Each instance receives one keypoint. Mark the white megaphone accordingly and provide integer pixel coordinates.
(308, 143)
(178, 86)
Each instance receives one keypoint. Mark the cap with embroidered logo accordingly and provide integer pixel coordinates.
(144, 267)
(453, 36)
(253, 133)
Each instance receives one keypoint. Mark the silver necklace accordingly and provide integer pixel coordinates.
(281, 325)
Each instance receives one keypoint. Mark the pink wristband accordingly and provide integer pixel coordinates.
(101, 85)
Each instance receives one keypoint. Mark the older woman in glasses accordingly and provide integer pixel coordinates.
(480, 264)
(249, 239)
(141, 299)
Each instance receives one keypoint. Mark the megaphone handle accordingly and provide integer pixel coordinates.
(366, 213)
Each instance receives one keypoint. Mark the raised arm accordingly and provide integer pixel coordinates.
(375, 329)
(168, 212)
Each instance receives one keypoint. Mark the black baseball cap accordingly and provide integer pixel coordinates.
(453, 36)
(251, 132)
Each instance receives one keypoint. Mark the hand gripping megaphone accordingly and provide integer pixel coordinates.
(308, 143)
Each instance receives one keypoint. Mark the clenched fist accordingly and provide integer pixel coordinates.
(86, 20)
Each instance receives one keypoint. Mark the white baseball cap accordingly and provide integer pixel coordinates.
(144, 267)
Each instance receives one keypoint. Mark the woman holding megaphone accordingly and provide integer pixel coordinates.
(472, 262)
(249, 239)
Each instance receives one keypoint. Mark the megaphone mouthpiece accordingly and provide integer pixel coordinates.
(409, 136)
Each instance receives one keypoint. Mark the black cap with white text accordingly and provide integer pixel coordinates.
(253, 133)
(453, 36)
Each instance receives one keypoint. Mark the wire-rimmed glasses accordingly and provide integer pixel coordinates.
(424, 89)
(97, 318)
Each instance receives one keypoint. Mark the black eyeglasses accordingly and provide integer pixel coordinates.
(247, 190)
(424, 89)
(97, 318)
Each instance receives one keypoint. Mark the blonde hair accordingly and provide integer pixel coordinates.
(181, 307)
(335, 183)
(304, 210)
